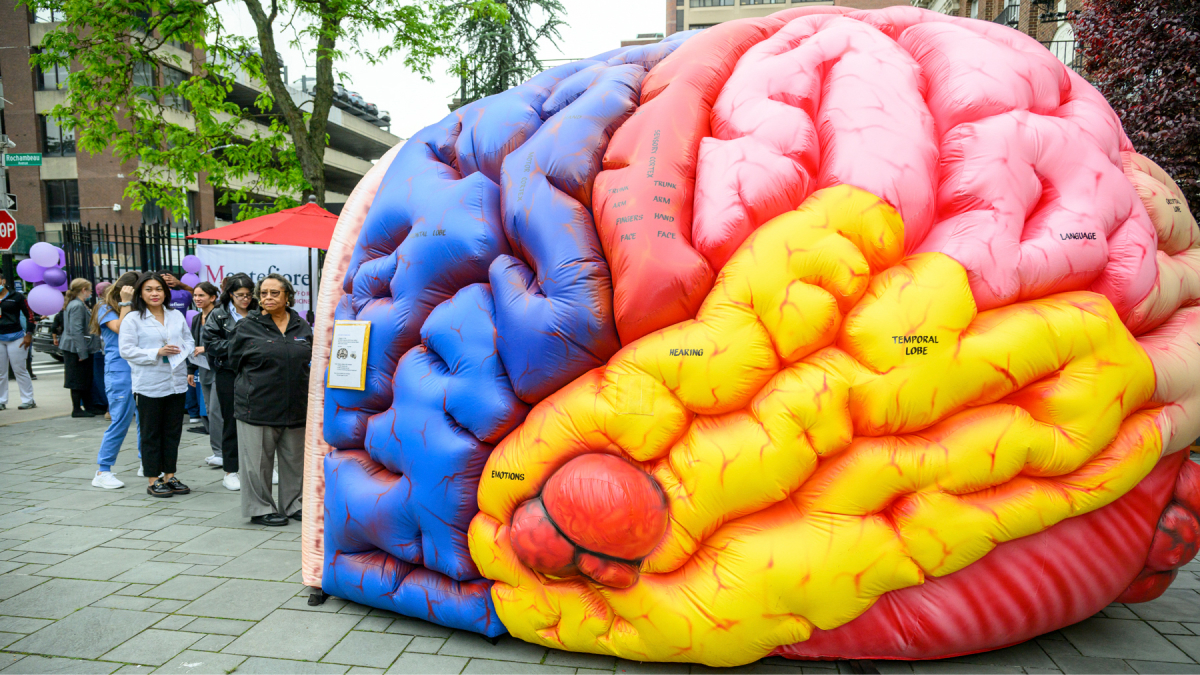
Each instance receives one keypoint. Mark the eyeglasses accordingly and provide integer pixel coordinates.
(242, 296)
(271, 293)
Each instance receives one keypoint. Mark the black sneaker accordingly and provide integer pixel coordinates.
(159, 489)
(82, 413)
(177, 487)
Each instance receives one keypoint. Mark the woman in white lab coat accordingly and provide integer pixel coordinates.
(156, 342)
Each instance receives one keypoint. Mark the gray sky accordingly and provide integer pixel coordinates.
(594, 26)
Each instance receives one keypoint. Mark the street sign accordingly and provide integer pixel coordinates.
(23, 159)
(8, 231)
(9, 202)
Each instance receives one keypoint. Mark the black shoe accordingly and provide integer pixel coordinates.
(271, 519)
(32, 376)
(82, 413)
(296, 516)
(197, 430)
(177, 487)
(159, 489)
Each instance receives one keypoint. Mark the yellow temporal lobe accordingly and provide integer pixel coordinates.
(836, 423)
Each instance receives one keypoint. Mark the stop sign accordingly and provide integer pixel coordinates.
(8, 230)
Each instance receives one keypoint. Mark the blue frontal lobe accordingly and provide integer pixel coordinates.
(480, 270)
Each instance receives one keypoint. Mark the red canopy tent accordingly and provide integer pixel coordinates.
(309, 226)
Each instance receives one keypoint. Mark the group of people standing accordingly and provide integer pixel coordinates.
(246, 349)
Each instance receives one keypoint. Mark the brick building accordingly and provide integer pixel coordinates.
(1048, 21)
(73, 185)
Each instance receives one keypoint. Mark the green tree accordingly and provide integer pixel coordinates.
(180, 127)
(501, 51)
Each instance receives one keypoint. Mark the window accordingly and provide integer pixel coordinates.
(696, 26)
(679, 19)
(45, 15)
(763, 2)
(56, 140)
(50, 78)
(62, 200)
(974, 9)
(152, 212)
(174, 78)
(144, 75)
(712, 3)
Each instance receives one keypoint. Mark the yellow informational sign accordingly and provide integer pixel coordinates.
(348, 356)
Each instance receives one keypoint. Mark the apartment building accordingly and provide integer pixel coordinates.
(1047, 21)
(72, 185)
(691, 14)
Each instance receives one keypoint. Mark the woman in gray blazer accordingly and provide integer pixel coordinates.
(77, 345)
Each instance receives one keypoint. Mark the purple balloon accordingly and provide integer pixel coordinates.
(45, 300)
(44, 254)
(30, 271)
(55, 277)
(191, 264)
(190, 279)
(62, 288)
(191, 314)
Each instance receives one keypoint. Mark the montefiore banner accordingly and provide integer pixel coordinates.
(259, 260)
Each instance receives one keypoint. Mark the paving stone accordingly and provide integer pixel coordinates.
(134, 589)
(125, 602)
(174, 622)
(87, 633)
(169, 556)
(281, 545)
(376, 650)
(1170, 627)
(1085, 664)
(152, 522)
(355, 608)
(432, 664)
(32, 531)
(213, 643)
(80, 500)
(240, 599)
(184, 587)
(260, 563)
(1026, 654)
(14, 584)
(30, 569)
(1173, 605)
(409, 626)
(201, 663)
(56, 598)
(41, 558)
(624, 666)
(295, 635)
(16, 624)
(363, 670)
(180, 533)
(41, 664)
(425, 645)
(557, 657)
(71, 540)
(169, 606)
(99, 563)
(221, 626)
(152, 647)
(508, 648)
(1161, 668)
(486, 667)
(261, 666)
(133, 668)
(201, 570)
(593, 671)
(376, 624)
(131, 544)
(195, 559)
(939, 667)
(1119, 639)
(152, 572)
(109, 516)
(1189, 644)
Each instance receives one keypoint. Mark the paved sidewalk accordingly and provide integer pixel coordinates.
(95, 581)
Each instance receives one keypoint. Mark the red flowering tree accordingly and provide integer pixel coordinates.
(1144, 56)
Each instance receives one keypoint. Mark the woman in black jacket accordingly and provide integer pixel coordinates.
(237, 303)
(271, 351)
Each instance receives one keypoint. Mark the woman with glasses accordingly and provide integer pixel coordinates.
(156, 342)
(271, 351)
(235, 304)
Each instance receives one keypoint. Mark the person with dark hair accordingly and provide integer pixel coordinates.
(77, 346)
(271, 352)
(156, 342)
(118, 383)
(236, 303)
(200, 373)
(14, 344)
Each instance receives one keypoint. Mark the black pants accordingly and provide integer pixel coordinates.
(161, 424)
(77, 376)
(229, 443)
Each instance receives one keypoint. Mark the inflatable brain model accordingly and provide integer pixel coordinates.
(828, 334)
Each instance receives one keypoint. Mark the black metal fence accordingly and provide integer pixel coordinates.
(104, 252)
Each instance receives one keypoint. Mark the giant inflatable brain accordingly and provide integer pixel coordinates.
(831, 334)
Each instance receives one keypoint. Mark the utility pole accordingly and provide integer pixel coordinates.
(6, 144)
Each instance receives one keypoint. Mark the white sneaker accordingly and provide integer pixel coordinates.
(231, 482)
(106, 480)
(274, 477)
(193, 420)
(140, 472)
(213, 460)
